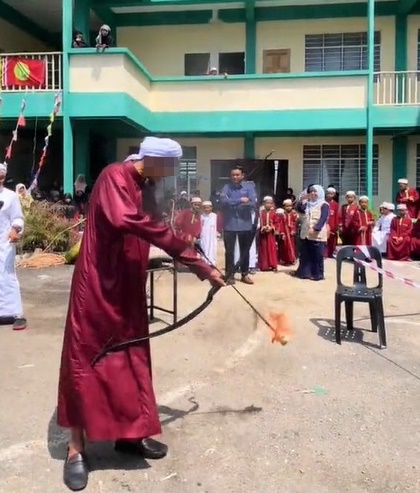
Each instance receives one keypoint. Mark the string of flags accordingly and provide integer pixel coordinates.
(56, 109)
(21, 122)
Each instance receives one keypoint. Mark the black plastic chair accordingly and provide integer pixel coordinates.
(359, 292)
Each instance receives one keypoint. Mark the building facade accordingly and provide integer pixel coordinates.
(330, 90)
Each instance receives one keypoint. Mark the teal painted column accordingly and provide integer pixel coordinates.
(81, 17)
(400, 144)
(250, 38)
(249, 146)
(400, 53)
(369, 102)
(81, 136)
(67, 20)
(399, 161)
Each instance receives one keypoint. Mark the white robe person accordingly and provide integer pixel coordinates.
(382, 228)
(11, 217)
(209, 233)
(252, 251)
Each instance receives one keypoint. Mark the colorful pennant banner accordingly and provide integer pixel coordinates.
(21, 122)
(57, 106)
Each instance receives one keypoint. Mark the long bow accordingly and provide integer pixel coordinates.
(108, 349)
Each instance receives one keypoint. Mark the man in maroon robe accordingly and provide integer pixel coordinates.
(114, 400)
(409, 197)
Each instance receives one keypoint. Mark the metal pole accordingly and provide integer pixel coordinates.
(369, 102)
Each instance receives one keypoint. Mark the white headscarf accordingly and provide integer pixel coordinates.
(80, 184)
(19, 186)
(321, 197)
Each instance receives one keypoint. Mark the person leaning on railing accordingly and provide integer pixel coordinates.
(78, 40)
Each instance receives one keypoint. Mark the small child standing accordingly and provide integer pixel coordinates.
(209, 232)
(267, 248)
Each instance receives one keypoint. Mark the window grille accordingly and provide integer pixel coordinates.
(344, 166)
(340, 52)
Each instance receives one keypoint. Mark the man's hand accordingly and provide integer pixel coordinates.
(13, 235)
(216, 279)
(244, 200)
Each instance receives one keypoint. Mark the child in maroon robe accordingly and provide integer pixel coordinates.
(267, 248)
(287, 227)
(362, 223)
(188, 222)
(346, 215)
(399, 241)
(415, 239)
(333, 222)
(409, 197)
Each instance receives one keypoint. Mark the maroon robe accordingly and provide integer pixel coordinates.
(287, 226)
(266, 245)
(333, 225)
(361, 227)
(410, 198)
(115, 399)
(415, 238)
(346, 216)
(188, 225)
(399, 241)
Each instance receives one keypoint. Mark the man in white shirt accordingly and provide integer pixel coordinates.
(382, 227)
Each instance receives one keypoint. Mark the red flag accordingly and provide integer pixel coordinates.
(21, 121)
(24, 72)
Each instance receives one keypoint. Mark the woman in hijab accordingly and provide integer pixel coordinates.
(313, 233)
(25, 197)
(80, 184)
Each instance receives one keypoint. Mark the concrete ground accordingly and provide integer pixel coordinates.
(239, 414)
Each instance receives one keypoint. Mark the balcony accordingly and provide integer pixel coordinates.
(51, 76)
(397, 88)
(119, 71)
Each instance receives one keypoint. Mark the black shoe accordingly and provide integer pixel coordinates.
(147, 448)
(19, 323)
(76, 472)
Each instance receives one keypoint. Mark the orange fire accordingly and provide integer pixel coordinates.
(280, 326)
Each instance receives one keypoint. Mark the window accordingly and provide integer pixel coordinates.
(418, 167)
(339, 52)
(232, 63)
(187, 176)
(196, 63)
(342, 165)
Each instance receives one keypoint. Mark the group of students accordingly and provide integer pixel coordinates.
(397, 236)
(274, 244)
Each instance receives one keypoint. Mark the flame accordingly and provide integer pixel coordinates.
(280, 326)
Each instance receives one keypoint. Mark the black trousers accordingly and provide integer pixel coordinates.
(244, 240)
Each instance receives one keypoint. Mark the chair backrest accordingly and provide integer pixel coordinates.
(350, 253)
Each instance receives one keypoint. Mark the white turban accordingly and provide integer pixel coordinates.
(196, 200)
(207, 202)
(3, 168)
(133, 157)
(403, 181)
(155, 147)
(363, 197)
(331, 190)
(280, 211)
(350, 193)
(401, 207)
(389, 206)
(287, 202)
(267, 197)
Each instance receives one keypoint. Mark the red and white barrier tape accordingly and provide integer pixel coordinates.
(372, 265)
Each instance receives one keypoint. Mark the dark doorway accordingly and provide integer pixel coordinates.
(232, 63)
(259, 171)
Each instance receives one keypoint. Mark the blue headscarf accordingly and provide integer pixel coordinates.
(321, 197)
